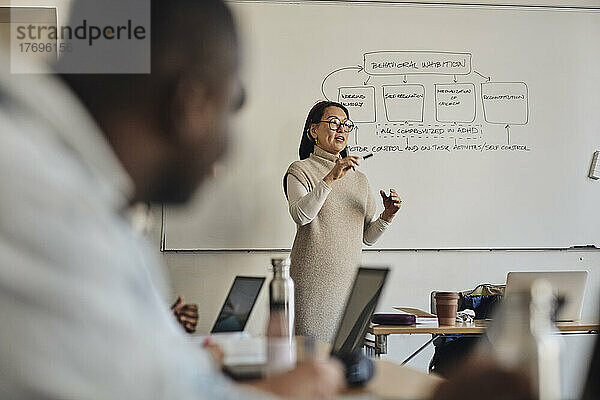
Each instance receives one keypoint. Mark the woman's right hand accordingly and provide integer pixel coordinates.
(342, 165)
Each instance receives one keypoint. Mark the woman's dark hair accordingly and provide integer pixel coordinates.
(315, 115)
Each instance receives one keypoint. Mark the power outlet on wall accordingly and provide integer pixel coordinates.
(595, 167)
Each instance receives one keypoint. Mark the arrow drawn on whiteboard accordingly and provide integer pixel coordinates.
(487, 78)
(507, 127)
(404, 80)
(367, 81)
(455, 79)
(358, 69)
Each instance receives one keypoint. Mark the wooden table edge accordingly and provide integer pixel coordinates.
(480, 327)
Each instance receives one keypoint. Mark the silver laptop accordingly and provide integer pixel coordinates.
(567, 284)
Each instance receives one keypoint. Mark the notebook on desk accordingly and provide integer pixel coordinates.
(416, 312)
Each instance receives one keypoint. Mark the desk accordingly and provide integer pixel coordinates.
(393, 381)
(378, 346)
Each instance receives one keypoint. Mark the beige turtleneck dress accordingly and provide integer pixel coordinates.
(332, 224)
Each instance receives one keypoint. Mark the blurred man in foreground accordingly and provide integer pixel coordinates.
(81, 296)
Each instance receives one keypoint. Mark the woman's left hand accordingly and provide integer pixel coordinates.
(391, 203)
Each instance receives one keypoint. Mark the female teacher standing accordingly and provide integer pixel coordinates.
(332, 205)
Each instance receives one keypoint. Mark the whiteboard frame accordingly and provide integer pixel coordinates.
(552, 4)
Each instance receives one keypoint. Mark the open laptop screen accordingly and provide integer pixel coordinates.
(238, 304)
(570, 285)
(359, 308)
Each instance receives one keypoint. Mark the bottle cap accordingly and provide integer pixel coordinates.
(283, 261)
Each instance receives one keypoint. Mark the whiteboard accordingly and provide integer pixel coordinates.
(484, 118)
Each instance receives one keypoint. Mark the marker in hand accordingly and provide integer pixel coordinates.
(364, 158)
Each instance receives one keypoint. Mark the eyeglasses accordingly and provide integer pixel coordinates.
(335, 123)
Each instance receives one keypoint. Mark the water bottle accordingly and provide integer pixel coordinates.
(281, 340)
(523, 336)
(281, 290)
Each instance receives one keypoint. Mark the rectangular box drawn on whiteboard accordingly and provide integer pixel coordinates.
(404, 102)
(455, 102)
(505, 102)
(360, 102)
(416, 62)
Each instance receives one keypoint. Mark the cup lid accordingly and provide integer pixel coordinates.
(450, 295)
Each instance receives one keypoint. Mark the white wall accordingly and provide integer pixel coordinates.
(206, 277)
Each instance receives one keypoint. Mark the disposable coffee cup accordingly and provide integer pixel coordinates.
(446, 307)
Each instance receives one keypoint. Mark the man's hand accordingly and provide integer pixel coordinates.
(216, 351)
(311, 380)
(186, 314)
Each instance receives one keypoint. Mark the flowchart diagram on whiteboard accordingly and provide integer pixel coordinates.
(422, 101)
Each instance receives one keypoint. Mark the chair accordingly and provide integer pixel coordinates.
(452, 349)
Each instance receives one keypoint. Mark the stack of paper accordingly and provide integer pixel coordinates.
(416, 312)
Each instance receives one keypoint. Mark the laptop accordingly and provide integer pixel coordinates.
(238, 305)
(570, 285)
(360, 306)
(352, 328)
